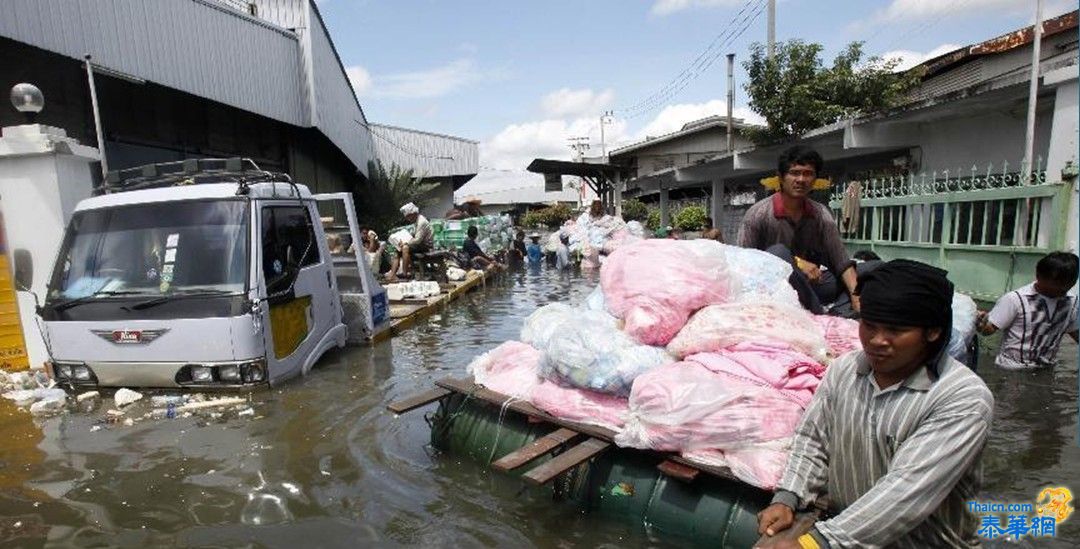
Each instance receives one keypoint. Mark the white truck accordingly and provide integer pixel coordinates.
(206, 273)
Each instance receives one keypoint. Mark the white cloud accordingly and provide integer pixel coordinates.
(565, 102)
(922, 10)
(360, 79)
(673, 117)
(422, 84)
(910, 58)
(668, 7)
(518, 144)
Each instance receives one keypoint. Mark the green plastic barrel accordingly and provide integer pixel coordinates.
(620, 484)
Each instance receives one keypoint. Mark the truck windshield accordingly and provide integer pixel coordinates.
(154, 249)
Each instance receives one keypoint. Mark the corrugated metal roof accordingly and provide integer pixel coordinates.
(214, 49)
(430, 154)
(193, 46)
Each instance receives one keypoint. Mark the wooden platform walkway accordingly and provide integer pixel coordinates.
(404, 314)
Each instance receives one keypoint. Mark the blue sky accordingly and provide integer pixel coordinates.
(521, 77)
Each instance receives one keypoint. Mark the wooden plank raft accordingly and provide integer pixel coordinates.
(673, 465)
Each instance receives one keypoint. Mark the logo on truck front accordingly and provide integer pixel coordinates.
(129, 337)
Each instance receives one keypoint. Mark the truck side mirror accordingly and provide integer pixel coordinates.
(24, 269)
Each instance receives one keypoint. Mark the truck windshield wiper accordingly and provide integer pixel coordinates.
(67, 304)
(178, 295)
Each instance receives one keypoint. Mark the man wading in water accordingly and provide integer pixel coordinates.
(895, 433)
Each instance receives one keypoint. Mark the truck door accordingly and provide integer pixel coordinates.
(296, 278)
(363, 299)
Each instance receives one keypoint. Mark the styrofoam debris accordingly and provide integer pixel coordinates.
(165, 400)
(129, 422)
(50, 404)
(246, 412)
(87, 395)
(125, 396)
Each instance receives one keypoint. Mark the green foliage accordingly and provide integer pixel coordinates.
(690, 218)
(634, 210)
(795, 93)
(551, 217)
(387, 190)
(652, 221)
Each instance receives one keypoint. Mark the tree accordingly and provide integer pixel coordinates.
(795, 93)
(386, 191)
(634, 210)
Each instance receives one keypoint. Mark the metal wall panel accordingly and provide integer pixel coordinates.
(196, 46)
(339, 116)
(428, 154)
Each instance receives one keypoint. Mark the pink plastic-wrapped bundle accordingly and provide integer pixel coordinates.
(717, 327)
(794, 374)
(761, 465)
(655, 285)
(841, 334)
(512, 369)
(580, 405)
(685, 406)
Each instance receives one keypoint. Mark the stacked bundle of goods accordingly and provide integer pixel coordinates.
(686, 346)
(495, 232)
(591, 238)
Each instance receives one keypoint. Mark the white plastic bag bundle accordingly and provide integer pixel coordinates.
(756, 275)
(964, 312)
(400, 238)
(543, 322)
(636, 228)
(587, 351)
(595, 301)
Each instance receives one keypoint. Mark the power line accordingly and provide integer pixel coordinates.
(687, 70)
(403, 148)
(750, 11)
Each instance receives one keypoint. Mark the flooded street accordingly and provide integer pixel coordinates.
(321, 463)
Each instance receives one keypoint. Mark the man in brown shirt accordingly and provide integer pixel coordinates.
(801, 231)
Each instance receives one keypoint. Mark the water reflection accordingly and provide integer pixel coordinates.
(322, 463)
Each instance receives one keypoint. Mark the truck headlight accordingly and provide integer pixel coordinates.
(229, 372)
(81, 373)
(202, 374)
(62, 371)
(254, 372)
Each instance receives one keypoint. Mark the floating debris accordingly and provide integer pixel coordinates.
(81, 397)
(125, 396)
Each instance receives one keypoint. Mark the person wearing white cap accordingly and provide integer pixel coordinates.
(423, 241)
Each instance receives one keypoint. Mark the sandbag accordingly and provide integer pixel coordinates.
(720, 326)
(655, 285)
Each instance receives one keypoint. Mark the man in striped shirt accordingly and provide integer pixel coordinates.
(895, 433)
(1037, 316)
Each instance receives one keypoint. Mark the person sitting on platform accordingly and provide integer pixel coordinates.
(477, 258)
(799, 230)
(423, 241)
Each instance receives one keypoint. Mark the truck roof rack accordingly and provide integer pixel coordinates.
(193, 171)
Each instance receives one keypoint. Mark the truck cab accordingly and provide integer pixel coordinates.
(203, 274)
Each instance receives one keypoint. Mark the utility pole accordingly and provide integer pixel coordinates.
(771, 43)
(604, 118)
(579, 145)
(1033, 91)
(730, 101)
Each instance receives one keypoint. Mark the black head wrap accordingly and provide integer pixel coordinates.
(908, 293)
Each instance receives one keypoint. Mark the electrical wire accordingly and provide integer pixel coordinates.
(746, 16)
(403, 148)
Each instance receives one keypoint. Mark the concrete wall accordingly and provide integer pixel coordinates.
(991, 137)
(679, 152)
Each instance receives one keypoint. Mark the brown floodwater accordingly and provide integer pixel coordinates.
(321, 463)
